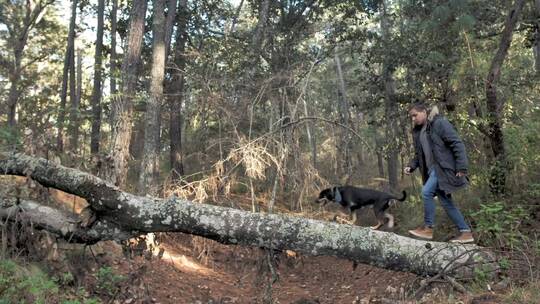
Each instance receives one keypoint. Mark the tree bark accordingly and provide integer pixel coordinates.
(257, 41)
(131, 214)
(114, 64)
(390, 106)
(495, 106)
(258, 35)
(64, 224)
(391, 130)
(150, 163)
(63, 94)
(343, 106)
(123, 105)
(74, 107)
(14, 90)
(75, 119)
(177, 93)
(169, 25)
(96, 89)
(536, 44)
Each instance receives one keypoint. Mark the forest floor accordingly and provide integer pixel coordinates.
(191, 269)
(194, 270)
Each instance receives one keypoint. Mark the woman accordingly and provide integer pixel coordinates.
(440, 155)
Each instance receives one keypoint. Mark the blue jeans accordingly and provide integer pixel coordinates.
(430, 188)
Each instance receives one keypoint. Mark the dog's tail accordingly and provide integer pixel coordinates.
(404, 196)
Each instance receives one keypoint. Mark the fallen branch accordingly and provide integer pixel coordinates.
(130, 214)
(64, 224)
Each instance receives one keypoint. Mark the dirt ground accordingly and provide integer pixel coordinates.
(194, 270)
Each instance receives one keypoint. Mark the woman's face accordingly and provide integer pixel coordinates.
(418, 117)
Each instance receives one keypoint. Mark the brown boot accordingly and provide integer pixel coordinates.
(463, 238)
(423, 232)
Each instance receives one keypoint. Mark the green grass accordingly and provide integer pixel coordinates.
(22, 283)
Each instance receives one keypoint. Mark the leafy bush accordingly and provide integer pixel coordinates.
(9, 138)
(496, 224)
(25, 285)
(29, 284)
(108, 283)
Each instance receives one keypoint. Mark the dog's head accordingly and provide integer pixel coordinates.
(326, 196)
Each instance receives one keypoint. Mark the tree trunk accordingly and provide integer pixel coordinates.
(343, 107)
(65, 76)
(150, 163)
(131, 215)
(536, 44)
(258, 35)
(177, 93)
(390, 108)
(123, 105)
(64, 224)
(391, 131)
(96, 90)
(14, 91)
(169, 26)
(495, 106)
(114, 64)
(63, 97)
(76, 119)
(74, 107)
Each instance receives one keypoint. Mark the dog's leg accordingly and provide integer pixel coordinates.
(390, 219)
(343, 217)
(379, 214)
(354, 217)
(379, 224)
(342, 220)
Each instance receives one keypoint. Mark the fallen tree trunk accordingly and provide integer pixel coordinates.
(64, 224)
(121, 215)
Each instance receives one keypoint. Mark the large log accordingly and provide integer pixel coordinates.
(62, 223)
(130, 214)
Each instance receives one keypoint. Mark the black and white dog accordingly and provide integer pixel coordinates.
(354, 198)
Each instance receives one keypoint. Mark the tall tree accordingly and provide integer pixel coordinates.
(150, 163)
(495, 105)
(96, 89)
(536, 44)
(169, 25)
(114, 64)
(176, 94)
(258, 35)
(343, 110)
(390, 101)
(19, 20)
(74, 107)
(75, 98)
(122, 106)
(67, 60)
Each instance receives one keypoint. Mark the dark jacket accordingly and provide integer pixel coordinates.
(449, 154)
